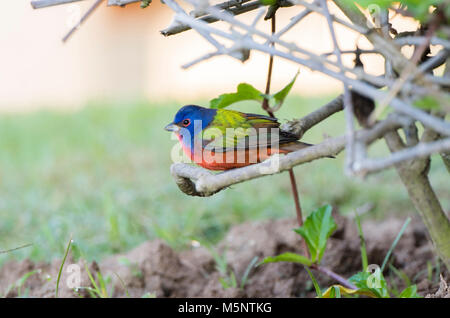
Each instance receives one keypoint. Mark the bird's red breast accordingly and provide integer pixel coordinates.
(232, 159)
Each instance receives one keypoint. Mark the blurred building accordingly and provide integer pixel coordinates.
(119, 53)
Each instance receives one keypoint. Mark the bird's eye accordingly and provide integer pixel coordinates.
(186, 122)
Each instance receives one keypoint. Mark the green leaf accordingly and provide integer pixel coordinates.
(316, 230)
(145, 3)
(427, 102)
(418, 8)
(281, 95)
(410, 292)
(362, 243)
(370, 284)
(268, 2)
(244, 92)
(314, 281)
(394, 244)
(336, 291)
(287, 257)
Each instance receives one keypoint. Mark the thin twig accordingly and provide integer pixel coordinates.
(316, 64)
(409, 71)
(178, 28)
(83, 18)
(265, 102)
(421, 150)
(298, 127)
(16, 248)
(333, 275)
(39, 4)
(348, 103)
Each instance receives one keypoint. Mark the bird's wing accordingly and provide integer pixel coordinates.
(240, 131)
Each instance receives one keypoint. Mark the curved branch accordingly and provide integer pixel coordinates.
(197, 181)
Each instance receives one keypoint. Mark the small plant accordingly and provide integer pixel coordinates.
(315, 231)
(19, 284)
(98, 288)
(228, 277)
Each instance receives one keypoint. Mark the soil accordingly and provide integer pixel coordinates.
(154, 267)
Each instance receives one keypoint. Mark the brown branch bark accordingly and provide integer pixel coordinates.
(414, 175)
(299, 126)
(197, 181)
(178, 28)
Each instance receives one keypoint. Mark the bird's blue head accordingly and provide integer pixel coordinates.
(189, 121)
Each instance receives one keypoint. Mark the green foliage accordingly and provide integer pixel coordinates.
(79, 171)
(99, 289)
(281, 95)
(362, 243)
(62, 266)
(246, 274)
(427, 103)
(316, 230)
(418, 8)
(20, 283)
(370, 284)
(228, 281)
(248, 92)
(394, 244)
(244, 92)
(288, 257)
(268, 2)
(410, 292)
(145, 3)
(315, 282)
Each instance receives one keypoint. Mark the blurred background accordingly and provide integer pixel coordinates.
(83, 153)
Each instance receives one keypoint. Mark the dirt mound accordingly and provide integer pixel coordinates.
(155, 268)
(443, 291)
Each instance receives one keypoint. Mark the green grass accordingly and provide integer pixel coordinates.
(101, 175)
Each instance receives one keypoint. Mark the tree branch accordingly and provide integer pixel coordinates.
(38, 4)
(299, 126)
(197, 181)
(121, 3)
(178, 28)
(414, 176)
(83, 18)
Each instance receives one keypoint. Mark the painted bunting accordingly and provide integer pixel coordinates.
(221, 139)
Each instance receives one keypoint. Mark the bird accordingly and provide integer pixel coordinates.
(223, 139)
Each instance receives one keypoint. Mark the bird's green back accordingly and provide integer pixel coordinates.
(243, 125)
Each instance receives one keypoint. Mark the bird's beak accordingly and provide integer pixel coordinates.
(172, 127)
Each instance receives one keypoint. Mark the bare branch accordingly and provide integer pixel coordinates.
(419, 40)
(83, 18)
(348, 103)
(38, 4)
(178, 28)
(16, 248)
(421, 150)
(223, 6)
(197, 181)
(434, 62)
(299, 126)
(121, 3)
(314, 62)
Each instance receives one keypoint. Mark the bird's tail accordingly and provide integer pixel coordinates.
(294, 146)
